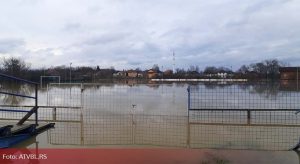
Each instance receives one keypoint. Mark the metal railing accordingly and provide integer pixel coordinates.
(35, 97)
(241, 107)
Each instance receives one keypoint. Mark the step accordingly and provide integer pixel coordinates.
(8, 129)
(19, 133)
(5, 130)
(43, 127)
(25, 128)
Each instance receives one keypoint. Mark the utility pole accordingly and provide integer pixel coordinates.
(162, 71)
(70, 72)
(297, 78)
(173, 62)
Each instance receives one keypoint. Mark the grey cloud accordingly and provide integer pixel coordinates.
(130, 33)
(93, 9)
(261, 4)
(30, 2)
(134, 63)
(9, 45)
(105, 39)
(71, 27)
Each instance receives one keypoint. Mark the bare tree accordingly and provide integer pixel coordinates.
(138, 69)
(15, 67)
(265, 69)
(193, 69)
(210, 70)
(244, 69)
(155, 67)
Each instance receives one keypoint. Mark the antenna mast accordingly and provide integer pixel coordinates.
(173, 62)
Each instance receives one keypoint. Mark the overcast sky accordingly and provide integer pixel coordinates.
(140, 33)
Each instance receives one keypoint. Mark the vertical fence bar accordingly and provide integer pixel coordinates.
(41, 81)
(248, 117)
(47, 103)
(188, 118)
(297, 78)
(36, 104)
(54, 113)
(189, 98)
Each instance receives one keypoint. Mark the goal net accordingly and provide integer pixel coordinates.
(44, 80)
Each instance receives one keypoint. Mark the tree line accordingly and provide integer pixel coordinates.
(267, 69)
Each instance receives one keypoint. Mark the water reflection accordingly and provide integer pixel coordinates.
(243, 96)
(267, 89)
(66, 94)
(264, 89)
(199, 130)
(156, 114)
(141, 115)
(270, 90)
(289, 85)
(265, 130)
(22, 89)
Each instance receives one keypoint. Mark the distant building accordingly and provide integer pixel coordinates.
(140, 75)
(289, 73)
(168, 72)
(217, 75)
(222, 74)
(118, 74)
(53, 72)
(132, 74)
(104, 73)
(152, 73)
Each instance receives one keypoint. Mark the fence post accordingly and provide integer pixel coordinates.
(54, 114)
(189, 98)
(81, 96)
(36, 104)
(248, 116)
(188, 118)
(297, 78)
(47, 95)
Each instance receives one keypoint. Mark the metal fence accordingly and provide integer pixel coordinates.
(243, 117)
(14, 89)
(117, 114)
(258, 117)
(151, 99)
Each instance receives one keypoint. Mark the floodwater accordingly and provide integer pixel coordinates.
(157, 116)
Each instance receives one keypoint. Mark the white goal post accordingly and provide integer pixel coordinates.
(49, 77)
